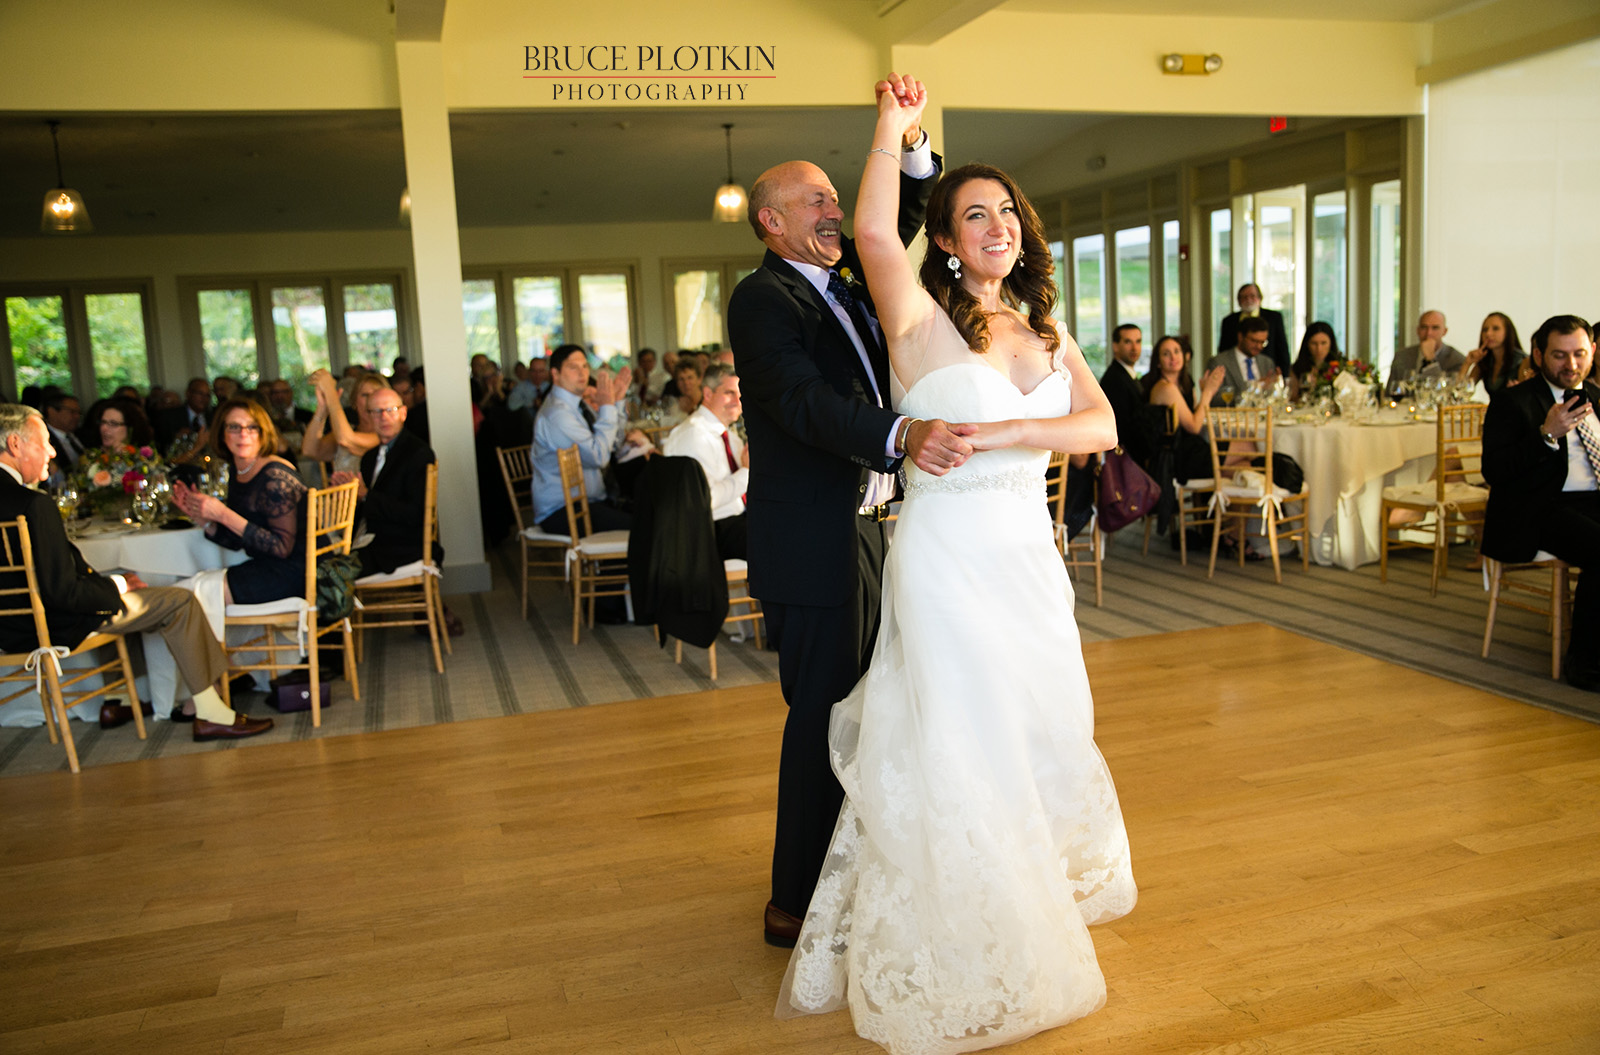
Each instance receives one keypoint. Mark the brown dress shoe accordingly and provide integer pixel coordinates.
(113, 713)
(782, 929)
(243, 726)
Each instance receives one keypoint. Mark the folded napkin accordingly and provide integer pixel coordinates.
(1251, 479)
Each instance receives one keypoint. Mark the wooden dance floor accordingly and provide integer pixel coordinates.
(1334, 856)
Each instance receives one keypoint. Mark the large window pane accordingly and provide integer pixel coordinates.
(697, 301)
(228, 333)
(1328, 267)
(371, 327)
(1133, 283)
(1172, 321)
(480, 312)
(1089, 273)
(603, 316)
(300, 324)
(540, 328)
(117, 341)
(38, 342)
(1221, 261)
(1385, 263)
(1279, 235)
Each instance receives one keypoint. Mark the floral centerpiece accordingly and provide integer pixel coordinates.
(1359, 370)
(108, 477)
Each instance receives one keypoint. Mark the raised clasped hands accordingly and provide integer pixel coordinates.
(937, 446)
(903, 98)
(1212, 383)
(191, 502)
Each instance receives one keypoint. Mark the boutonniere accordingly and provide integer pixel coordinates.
(849, 278)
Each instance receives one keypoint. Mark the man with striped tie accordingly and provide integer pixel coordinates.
(1541, 457)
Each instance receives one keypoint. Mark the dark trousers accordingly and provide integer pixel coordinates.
(1570, 529)
(731, 534)
(822, 653)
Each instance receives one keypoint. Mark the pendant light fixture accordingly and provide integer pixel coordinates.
(730, 204)
(64, 210)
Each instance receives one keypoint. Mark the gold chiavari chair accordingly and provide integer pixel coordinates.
(1448, 503)
(544, 556)
(1250, 429)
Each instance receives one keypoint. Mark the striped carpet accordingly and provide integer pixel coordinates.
(505, 665)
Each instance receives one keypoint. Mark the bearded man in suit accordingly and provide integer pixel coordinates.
(825, 443)
(1541, 457)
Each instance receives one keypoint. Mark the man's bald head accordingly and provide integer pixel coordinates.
(795, 211)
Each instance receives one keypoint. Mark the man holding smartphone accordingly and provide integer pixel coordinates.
(1541, 457)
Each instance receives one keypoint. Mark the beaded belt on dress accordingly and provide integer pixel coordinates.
(1026, 482)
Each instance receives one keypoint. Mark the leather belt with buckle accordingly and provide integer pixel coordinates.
(878, 514)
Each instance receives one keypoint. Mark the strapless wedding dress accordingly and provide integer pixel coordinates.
(980, 833)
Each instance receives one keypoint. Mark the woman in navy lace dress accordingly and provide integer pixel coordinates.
(265, 514)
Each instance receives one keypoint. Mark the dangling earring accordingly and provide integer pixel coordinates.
(954, 265)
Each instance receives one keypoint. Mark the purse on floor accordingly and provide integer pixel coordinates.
(1127, 492)
(292, 692)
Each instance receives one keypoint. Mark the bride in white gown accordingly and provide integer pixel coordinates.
(980, 834)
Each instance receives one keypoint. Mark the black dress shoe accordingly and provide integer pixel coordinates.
(179, 715)
(243, 726)
(780, 928)
(114, 713)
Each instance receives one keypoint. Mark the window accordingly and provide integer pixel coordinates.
(1058, 252)
(259, 328)
(371, 326)
(1089, 302)
(1133, 283)
(697, 294)
(1221, 269)
(1328, 267)
(1384, 310)
(541, 320)
(1172, 314)
(300, 328)
(1280, 253)
(550, 306)
(87, 340)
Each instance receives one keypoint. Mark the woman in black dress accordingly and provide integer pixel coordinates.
(265, 514)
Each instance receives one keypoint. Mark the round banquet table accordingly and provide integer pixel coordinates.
(159, 557)
(1347, 465)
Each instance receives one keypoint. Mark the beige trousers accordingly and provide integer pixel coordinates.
(176, 615)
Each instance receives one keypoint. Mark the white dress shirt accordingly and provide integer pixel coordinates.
(1580, 474)
(700, 438)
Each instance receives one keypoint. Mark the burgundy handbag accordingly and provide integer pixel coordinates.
(1127, 492)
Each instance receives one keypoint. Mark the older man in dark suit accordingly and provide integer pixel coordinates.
(1541, 457)
(393, 488)
(1277, 340)
(78, 601)
(824, 444)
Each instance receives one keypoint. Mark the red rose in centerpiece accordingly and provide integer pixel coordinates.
(132, 480)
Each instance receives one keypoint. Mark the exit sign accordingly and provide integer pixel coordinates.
(1276, 125)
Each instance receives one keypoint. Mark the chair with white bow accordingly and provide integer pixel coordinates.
(1453, 501)
(330, 523)
(409, 595)
(1244, 493)
(544, 556)
(597, 561)
(40, 670)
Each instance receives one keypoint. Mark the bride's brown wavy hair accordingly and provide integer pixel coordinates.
(1032, 281)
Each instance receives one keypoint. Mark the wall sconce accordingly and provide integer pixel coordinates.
(1191, 65)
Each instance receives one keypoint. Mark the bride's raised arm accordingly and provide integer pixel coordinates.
(901, 302)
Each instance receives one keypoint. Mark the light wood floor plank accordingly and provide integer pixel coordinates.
(1409, 870)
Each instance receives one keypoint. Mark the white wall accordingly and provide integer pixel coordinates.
(1513, 193)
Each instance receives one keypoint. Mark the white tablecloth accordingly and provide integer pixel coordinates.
(1347, 465)
(160, 558)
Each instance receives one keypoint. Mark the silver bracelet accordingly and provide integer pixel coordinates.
(885, 153)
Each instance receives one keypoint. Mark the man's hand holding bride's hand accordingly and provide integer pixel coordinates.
(936, 446)
(905, 97)
(993, 435)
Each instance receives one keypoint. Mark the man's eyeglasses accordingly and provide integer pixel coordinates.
(383, 412)
(235, 429)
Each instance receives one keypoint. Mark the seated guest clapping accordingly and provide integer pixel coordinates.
(687, 378)
(78, 601)
(1244, 366)
(563, 422)
(1319, 349)
(706, 438)
(1173, 387)
(265, 514)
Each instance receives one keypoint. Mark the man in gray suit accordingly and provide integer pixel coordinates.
(1244, 366)
(1430, 356)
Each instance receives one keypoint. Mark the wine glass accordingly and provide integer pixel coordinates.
(67, 498)
(218, 488)
(1226, 393)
